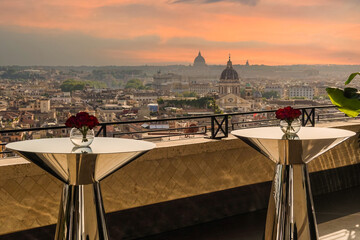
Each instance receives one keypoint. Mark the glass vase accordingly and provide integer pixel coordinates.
(290, 128)
(82, 138)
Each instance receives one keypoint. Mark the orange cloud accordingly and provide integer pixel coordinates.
(267, 31)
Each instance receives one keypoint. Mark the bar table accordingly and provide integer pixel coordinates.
(81, 214)
(290, 213)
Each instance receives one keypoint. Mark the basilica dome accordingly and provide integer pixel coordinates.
(199, 61)
(229, 72)
(229, 81)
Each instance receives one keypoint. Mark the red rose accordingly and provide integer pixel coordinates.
(82, 119)
(280, 114)
(71, 122)
(92, 122)
(297, 113)
(287, 113)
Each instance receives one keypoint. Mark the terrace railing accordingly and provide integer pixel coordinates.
(215, 126)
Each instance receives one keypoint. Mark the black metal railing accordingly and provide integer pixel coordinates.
(213, 126)
(169, 132)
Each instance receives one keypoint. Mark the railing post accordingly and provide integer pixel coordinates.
(212, 127)
(303, 117)
(223, 125)
(309, 117)
(313, 117)
(104, 131)
(226, 133)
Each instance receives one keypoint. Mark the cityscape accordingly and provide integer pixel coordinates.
(45, 96)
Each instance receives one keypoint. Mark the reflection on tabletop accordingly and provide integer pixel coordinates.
(81, 150)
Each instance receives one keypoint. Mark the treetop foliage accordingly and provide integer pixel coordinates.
(70, 85)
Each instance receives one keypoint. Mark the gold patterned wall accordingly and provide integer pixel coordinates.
(29, 197)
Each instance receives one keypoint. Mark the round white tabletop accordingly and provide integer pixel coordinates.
(309, 142)
(100, 145)
(305, 133)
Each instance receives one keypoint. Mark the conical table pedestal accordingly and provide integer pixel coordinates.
(81, 214)
(290, 214)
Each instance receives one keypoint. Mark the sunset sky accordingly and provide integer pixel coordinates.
(162, 32)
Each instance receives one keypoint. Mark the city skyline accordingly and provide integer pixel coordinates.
(140, 32)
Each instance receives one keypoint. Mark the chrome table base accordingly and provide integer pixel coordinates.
(291, 213)
(81, 214)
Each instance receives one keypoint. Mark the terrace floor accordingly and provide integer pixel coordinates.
(338, 217)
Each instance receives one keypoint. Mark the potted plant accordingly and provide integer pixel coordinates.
(348, 99)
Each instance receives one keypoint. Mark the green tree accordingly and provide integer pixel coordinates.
(134, 84)
(70, 85)
(96, 84)
(204, 102)
(189, 94)
(212, 104)
(271, 94)
(160, 101)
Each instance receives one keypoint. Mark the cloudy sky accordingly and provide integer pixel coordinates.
(156, 32)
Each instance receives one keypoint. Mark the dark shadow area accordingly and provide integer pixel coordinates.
(337, 204)
(250, 226)
(240, 210)
(42, 233)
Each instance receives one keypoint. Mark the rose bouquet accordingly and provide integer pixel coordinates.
(83, 122)
(290, 123)
(288, 114)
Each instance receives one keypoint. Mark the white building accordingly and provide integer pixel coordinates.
(108, 112)
(44, 105)
(203, 88)
(145, 97)
(301, 92)
(233, 102)
(62, 97)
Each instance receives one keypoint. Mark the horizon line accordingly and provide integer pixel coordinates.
(188, 65)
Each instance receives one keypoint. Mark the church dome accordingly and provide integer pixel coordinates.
(199, 61)
(229, 72)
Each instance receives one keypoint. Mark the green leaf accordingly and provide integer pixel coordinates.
(351, 77)
(350, 113)
(349, 106)
(351, 93)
